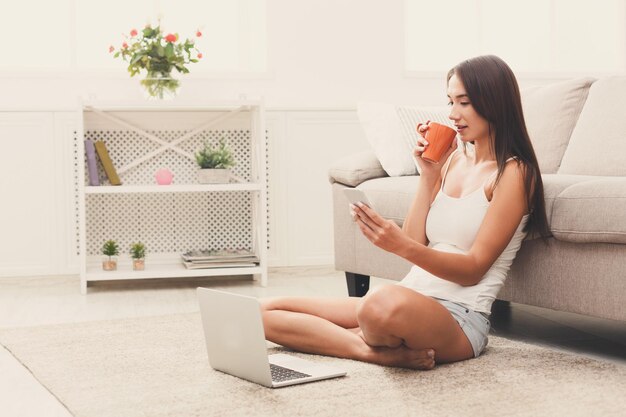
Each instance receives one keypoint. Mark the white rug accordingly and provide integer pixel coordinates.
(157, 366)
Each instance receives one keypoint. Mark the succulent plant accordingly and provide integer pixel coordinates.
(110, 248)
(138, 250)
(218, 158)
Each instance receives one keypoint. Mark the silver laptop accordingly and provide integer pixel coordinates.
(235, 343)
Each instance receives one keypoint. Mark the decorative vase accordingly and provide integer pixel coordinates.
(139, 264)
(214, 176)
(109, 264)
(159, 85)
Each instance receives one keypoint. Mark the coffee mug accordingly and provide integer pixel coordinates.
(439, 138)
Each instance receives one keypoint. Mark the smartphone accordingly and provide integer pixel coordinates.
(356, 196)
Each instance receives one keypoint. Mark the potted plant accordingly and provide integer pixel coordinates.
(214, 163)
(110, 249)
(138, 253)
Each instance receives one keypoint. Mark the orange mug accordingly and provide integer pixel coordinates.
(439, 138)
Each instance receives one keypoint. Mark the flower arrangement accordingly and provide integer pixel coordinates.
(158, 54)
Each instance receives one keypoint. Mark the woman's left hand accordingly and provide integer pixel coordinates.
(383, 233)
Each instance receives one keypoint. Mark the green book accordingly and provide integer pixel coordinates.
(107, 164)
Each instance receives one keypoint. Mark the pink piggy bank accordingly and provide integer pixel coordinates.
(164, 176)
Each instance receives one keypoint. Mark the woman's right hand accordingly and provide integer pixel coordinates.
(428, 170)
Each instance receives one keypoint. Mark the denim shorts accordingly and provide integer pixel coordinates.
(475, 325)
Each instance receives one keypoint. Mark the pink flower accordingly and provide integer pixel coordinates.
(124, 45)
(171, 38)
(198, 34)
(199, 55)
(133, 32)
(111, 49)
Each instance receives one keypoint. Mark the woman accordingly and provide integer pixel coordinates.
(465, 225)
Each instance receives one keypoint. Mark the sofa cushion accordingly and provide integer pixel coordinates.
(551, 112)
(591, 211)
(352, 170)
(555, 184)
(391, 197)
(598, 143)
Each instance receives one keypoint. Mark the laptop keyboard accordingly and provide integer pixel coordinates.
(280, 374)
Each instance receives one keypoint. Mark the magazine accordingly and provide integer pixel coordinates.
(223, 258)
(196, 265)
(221, 254)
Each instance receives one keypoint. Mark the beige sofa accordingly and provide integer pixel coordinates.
(578, 128)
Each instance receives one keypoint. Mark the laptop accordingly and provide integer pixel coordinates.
(235, 343)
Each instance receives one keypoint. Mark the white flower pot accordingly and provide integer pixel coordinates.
(214, 176)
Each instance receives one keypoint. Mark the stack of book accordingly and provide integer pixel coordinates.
(224, 258)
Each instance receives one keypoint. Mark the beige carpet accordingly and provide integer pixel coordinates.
(157, 366)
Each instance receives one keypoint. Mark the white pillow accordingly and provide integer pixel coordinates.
(410, 117)
(391, 131)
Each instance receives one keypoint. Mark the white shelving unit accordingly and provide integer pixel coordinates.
(171, 219)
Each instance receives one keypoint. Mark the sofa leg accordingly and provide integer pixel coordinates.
(501, 311)
(358, 284)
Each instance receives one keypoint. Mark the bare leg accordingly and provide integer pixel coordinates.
(330, 327)
(394, 315)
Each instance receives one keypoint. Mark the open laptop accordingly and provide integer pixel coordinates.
(235, 343)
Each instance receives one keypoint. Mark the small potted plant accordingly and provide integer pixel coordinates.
(111, 250)
(138, 253)
(214, 163)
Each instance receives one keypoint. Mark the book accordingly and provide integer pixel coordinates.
(219, 255)
(224, 261)
(194, 265)
(92, 164)
(224, 258)
(107, 164)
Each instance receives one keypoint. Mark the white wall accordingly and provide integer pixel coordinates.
(324, 55)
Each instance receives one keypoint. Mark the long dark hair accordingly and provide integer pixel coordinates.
(493, 91)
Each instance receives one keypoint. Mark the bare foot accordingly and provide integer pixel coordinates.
(399, 356)
(403, 357)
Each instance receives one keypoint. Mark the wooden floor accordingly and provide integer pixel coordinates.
(34, 301)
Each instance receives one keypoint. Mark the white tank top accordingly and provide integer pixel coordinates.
(451, 226)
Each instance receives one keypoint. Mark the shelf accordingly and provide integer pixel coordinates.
(96, 273)
(231, 215)
(182, 188)
(172, 271)
(159, 266)
(173, 106)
